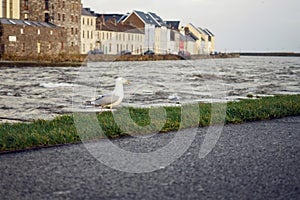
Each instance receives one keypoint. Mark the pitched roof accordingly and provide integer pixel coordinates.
(209, 32)
(87, 12)
(123, 17)
(27, 23)
(193, 36)
(146, 18)
(119, 27)
(173, 24)
(157, 18)
(110, 16)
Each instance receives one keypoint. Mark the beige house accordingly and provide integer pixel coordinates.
(10, 9)
(113, 37)
(206, 40)
(88, 31)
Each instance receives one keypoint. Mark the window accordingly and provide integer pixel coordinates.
(83, 21)
(88, 21)
(72, 18)
(62, 45)
(83, 47)
(76, 19)
(38, 31)
(91, 34)
(88, 34)
(22, 31)
(51, 32)
(23, 47)
(47, 17)
(46, 4)
(63, 17)
(72, 31)
(58, 17)
(117, 48)
(38, 47)
(63, 4)
(82, 34)
(109, 47)
(25, 4)
(76, 31)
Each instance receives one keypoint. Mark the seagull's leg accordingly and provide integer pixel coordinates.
(100, 112)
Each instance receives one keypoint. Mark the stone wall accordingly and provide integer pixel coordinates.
(64, 13)
(31, 42)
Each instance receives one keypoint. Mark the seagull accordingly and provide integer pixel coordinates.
(114, 98)
(111, 99)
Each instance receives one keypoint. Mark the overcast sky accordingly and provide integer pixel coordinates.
(239, 25)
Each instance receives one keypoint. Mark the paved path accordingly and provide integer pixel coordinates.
(258, 160)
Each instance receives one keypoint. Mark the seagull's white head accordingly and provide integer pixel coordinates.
(122, 80)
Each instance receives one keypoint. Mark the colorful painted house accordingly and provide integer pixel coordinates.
(157, 35)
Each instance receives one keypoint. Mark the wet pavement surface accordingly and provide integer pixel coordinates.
(258, 160)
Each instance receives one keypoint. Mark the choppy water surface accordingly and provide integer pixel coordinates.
(32, 92)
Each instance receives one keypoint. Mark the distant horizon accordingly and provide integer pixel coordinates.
(239, 25)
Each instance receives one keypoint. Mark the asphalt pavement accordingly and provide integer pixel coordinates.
(257, 160)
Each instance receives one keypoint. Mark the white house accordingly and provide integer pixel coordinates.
(157, 34)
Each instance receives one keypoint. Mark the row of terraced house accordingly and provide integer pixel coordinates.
(30, 28)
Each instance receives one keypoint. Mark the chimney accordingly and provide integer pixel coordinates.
(186, 30)
(102, 19)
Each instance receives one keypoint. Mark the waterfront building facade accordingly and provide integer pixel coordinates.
(88, 30)
(113, 37)
(206, 40)
(10, 9)
(30, 39)
(82, 30)
(63, 13)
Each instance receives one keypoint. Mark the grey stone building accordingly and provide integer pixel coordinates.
(30, 39)
(63, 13)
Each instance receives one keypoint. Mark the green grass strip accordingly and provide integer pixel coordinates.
(63, 130)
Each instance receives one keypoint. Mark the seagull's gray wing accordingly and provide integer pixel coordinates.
(105, 100)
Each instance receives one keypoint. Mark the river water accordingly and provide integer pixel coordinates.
(42, 92)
